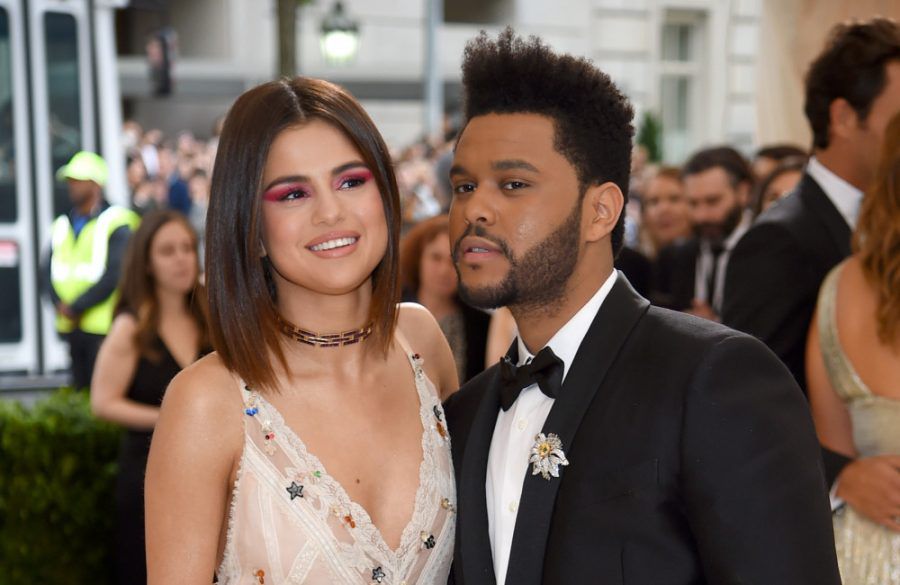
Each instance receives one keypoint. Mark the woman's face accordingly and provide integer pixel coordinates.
(666, 211)
(173, 258)
(436, 272)
(780, 186)
(323, 220)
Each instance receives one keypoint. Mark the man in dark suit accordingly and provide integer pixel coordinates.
(617, 442)
(691, 274)
(773, 278)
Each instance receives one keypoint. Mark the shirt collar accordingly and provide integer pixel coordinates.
(845, 197)
(567, 340)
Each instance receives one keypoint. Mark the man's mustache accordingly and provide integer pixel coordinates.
(479, 231)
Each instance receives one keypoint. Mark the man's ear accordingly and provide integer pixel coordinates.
(601, 208)
(842, 118)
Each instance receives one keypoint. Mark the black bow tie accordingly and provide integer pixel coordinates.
(545, 370)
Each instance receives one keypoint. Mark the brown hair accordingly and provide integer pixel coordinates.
(877, 237)
(138, 288)
(413, 245)
(242, 298)
(851, 67)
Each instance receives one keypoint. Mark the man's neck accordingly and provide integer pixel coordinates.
(842, 163)
(538, 324)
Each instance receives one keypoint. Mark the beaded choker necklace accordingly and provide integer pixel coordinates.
(324, 339)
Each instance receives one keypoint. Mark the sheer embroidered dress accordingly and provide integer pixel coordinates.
(868, 554)
(291, 522)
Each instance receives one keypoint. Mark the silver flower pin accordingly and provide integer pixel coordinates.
(547, 455)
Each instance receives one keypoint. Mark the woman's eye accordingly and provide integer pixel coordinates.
(351, 182)
(294, 194)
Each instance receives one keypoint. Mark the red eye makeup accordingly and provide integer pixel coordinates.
(286, 191)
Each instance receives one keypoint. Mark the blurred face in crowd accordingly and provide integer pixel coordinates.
(515, 220)
(762, 166)
(323, 219)
(173, 258)
(780, 186)
(83, 194)
(867, 136)
(716, 206)
(437, 276)
(666, 214)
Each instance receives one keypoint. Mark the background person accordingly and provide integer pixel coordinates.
(159, 329)
(82, 268)
(853, 368)
(777, 268)
(429, 278)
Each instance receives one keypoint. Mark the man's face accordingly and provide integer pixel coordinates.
(81, 192)
(868, 136)
(515, 219)
(715, 205)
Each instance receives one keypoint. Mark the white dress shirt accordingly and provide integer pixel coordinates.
(845, 197)
(515, 430)
(705, 261)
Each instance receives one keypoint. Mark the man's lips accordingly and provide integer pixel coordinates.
(474, 249)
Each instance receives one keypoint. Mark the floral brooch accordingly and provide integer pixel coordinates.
(547, 455)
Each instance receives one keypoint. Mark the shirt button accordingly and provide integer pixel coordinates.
(513, 506)
(522, 424)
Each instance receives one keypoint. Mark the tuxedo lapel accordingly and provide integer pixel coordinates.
(815, 199)
(618, 314)
(475, 556)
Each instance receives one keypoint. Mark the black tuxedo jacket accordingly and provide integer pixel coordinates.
(676, 269)
(774, 274)
(692, 460)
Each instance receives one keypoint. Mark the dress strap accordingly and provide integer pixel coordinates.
(841, 373)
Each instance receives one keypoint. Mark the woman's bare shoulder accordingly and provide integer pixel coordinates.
(424, 334)
(206, 388)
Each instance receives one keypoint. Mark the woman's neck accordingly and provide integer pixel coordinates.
(171, 303)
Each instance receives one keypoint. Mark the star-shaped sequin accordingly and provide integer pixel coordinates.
(378, 575)
(295, 489)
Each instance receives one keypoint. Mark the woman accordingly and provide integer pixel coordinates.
(429, 278)
(160, 328)
(778, 183)
(665, 215)
(289, 455)
(853, 368)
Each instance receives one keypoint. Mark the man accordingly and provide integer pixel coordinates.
(82, 268)
(773, 278)
(667, 450)
(691, 274)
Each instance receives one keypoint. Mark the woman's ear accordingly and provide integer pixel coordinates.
(601, 208)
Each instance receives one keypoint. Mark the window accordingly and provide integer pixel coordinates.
(680, 82)
(478, 11)
(64, 97)
(8, 211)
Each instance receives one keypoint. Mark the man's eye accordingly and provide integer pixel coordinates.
(464, 188)
(514, 185)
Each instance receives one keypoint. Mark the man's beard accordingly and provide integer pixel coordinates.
(717, 233)
(538, 279)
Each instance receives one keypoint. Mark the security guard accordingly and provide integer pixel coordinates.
(82, 269)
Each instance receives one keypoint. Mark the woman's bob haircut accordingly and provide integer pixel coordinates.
(242, 297)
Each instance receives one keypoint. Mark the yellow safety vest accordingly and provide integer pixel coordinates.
(77, 264)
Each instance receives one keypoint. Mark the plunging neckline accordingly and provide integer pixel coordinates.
(408, 537)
